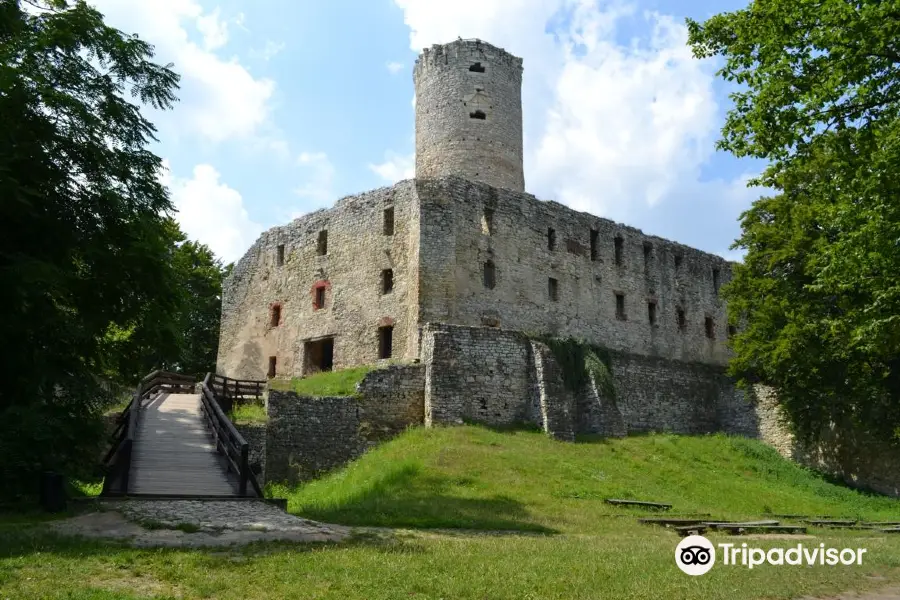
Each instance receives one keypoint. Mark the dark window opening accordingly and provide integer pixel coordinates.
(710, 328)
(716, 282)
(271, 372)
(477, 68)
(551, 238)
(620, 306)
(478, 114)
(682, 320)
(648, 253)
(279, 257)
(490, 275)
(320, 298)
(385, 341)
(553, 289)
(595, 236)
(387, 281)
(389, 221)
(276, 316)
(322, 246)
(732, 331)
(487, 223)
(678, 260)
(651, 312)
(619, 246)
(318, 355)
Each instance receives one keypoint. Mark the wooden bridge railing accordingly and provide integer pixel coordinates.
(117, 462)
(228, 390)
(229, 441)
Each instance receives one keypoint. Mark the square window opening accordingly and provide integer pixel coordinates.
(385, 341)
(389, 221)
(318, 356)
(387, 281)
(322, 245)
(553, 289)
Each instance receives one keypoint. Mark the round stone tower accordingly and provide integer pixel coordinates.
(469, 113)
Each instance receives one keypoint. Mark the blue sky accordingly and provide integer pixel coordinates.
(287, 106)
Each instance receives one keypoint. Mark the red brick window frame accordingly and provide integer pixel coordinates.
(319, 294)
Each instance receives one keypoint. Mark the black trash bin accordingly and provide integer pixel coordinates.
(53, 493)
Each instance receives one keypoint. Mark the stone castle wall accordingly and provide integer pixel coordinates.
(308, 436)
(457, 242)
(350, 273)
(469, 114)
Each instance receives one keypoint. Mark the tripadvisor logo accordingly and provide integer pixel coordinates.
(696, 555)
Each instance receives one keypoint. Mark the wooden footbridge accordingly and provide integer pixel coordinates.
(175, 440)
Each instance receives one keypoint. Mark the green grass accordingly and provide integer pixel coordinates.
(579, 547)
(331, 383)
(472, 477)
(248, 413)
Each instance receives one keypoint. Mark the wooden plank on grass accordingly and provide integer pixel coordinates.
(671, 522)
(638, 503)
(687, 530)
(740, 529)
(822, 523)
(723, 524)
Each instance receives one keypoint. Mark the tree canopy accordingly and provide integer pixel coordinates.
(818, 293)
(97, 283)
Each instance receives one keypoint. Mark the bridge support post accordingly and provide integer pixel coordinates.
(245, 469)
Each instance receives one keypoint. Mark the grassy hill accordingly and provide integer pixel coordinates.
(473, 477)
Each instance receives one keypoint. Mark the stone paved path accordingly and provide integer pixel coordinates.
(197, 523)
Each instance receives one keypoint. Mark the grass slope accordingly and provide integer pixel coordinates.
(472, 477)
(330, 383)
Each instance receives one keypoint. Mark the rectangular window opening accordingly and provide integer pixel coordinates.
(551, 238)
(651, 312)
(276, 315)
(682, 320)
(490, 275)
(553, 289)
(322, 246)
(320, 298)
(385, 341)
(387, 281)
(710, 328)
(279, 257)
(678, 261)
(619, 242)
(620, 306)
(272, 361)
(715, 281)
(478, 114)
(476, 68)
(487, 221)
(318, 356)
(648, 254)
(389, 221)
(595, 236)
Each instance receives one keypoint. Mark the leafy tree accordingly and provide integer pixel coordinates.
(818, 294)
(83, 244)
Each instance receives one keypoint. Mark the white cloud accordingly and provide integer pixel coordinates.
(396, 167)
(269, 51)
(611, 127)
(219, 98)
(211, 212)
(318, 185)
(394, 67)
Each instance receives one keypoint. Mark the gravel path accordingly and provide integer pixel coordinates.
(197, 523)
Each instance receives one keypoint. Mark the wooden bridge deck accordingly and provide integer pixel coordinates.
(174, 452)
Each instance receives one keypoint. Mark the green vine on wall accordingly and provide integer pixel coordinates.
(579, 361)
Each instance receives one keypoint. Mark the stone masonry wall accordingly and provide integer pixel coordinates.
(255, 434)
(350, 272)
(457, 241)
(307, 436)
